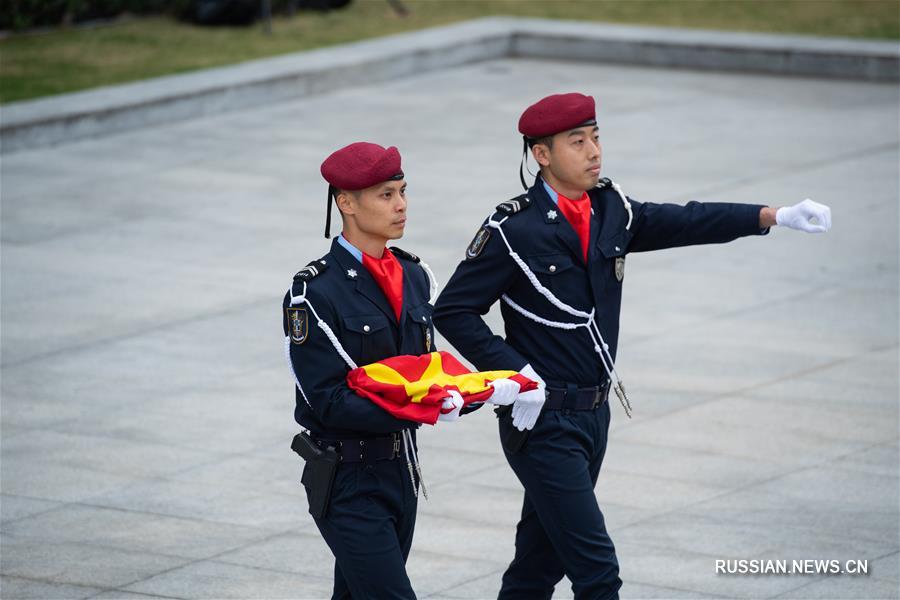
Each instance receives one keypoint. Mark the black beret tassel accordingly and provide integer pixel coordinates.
(328, 213)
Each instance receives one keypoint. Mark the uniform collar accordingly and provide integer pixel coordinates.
(554, 195)
(357, 275)
(551, 193)
(353, 250)
(545, 200)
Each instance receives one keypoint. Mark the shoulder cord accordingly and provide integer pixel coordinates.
(287, 356)
(620, 389)
(302, 299)
(590, 323)
(625, 202)
(432, 282)
(329, 333)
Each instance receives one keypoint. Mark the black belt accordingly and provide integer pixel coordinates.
(573, 397)
(365, 450)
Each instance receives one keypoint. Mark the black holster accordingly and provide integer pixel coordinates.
(318, 475)
(511, 438)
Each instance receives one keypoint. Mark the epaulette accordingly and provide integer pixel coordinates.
(312, 270)
(604, 182)
(514, 205)
(400, 253)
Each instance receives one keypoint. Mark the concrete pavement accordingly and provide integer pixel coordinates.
(146, 407)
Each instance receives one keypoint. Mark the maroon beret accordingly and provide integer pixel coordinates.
(361, 165)
(557, 113)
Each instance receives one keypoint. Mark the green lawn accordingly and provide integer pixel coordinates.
(33, 65)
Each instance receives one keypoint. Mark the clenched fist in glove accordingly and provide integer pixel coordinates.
(527, 407)
(800, 217)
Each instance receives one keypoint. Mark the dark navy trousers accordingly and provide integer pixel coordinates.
(562, 531)
(369, 528)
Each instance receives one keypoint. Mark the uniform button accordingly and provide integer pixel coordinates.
(553, 268)
(423, 318)
(366, 328)
(362, 442)
(618, 249)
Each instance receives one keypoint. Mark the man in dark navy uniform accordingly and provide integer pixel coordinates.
(360, 303)
(556, 258)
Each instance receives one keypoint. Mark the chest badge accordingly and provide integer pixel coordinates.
(299, 321)
(620, 268)
(478, 242)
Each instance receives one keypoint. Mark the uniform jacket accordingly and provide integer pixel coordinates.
(348, 299)
(542, 236)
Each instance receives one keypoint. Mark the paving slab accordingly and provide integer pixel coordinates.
(304, 553)
(877, 460)
(136, 531)
(856, 507)
(886, 568)
(857, 587)
(60, 483)
(123, 595)
(19, 588)
(213, 579)
(247, 506)
(80, 563)
(19, 507)
(147, 411)
(685, 465)
(647, 591)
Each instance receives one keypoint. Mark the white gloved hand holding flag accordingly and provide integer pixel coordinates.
(451, 407)
(434, 386)
(528, 405)
(505, 392)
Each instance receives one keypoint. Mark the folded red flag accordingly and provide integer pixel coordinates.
(414, 387)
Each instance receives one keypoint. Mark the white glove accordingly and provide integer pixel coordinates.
(800, 217)
(505, 392)
(527, 407)
(452, 403)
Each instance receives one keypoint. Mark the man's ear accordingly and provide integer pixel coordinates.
(344, 201)
(541, 154)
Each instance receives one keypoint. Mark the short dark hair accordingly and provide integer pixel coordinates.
(547, 140)
(355, 194)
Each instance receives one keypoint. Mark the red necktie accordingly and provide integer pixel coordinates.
(388, 274)
(578, 213)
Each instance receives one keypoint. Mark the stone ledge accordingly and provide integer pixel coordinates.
(101, 111)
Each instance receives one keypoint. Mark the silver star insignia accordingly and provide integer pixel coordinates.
(351, 273)
(551, 214)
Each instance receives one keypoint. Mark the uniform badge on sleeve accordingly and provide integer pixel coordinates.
(299, 321)
(478, 243)
(620, 268)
